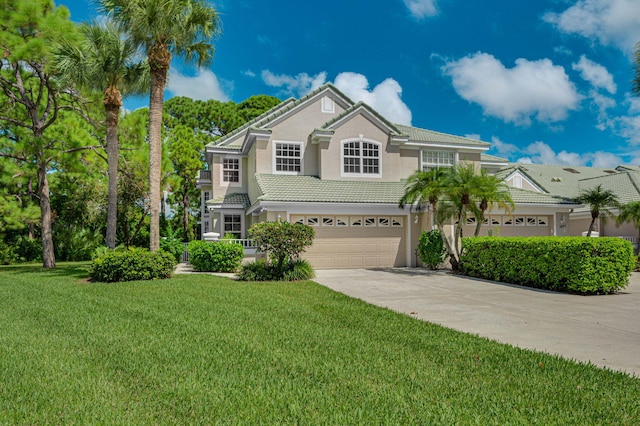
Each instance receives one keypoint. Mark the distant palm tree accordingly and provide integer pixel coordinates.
(491, 190)
(630, 212)
(599, 200)
(164, 28)
(106, 60)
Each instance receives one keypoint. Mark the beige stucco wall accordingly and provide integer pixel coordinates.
(296, 128)
(626, 229)
(220, 188)
(578, 226)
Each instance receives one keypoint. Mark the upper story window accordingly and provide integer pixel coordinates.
(361, 158)
(435, 159)
(287, 157)
(231, 170)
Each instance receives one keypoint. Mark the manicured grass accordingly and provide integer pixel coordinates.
(198, 349)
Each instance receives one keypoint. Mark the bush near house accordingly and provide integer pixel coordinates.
(220, 256)
(283, 242)
(571, 264)
(431, 249)
(132, 264)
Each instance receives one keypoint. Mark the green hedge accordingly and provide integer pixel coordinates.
(220, 256)
(131, 265)
(572, 264)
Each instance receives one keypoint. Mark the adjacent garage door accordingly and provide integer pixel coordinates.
(355, 241)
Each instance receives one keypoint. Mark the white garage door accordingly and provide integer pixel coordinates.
(355, 241)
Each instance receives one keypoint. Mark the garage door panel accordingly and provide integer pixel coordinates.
(357, 247)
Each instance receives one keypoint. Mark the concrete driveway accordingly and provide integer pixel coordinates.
(603, 330)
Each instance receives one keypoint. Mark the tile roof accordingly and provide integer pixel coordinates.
(486, 158)
(423, 135)
(313, 189)
(275, 112)
(232, 199)
(522, 196)
(329, 124)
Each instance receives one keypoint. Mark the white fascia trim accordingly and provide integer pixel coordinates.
(342, 102)
(370, 116)
(330, 208)
(462, 148)
(526, 178)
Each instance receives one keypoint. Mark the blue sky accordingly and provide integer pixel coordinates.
(544, 81)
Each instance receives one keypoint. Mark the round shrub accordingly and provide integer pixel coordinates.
(220, 256)
(131, 265)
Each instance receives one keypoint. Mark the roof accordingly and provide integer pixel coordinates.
(235, 199)
(486, 158)
(423, 135)
(313, 189)
(522, 196)
(268, 116)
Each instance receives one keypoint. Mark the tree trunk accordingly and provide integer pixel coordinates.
(160, 59)
(593, 221)
(48, 255)
(112, 104)
(155, 157)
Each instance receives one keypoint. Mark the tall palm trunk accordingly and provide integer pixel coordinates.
(112, 104)
(48, 254)
(159, 61)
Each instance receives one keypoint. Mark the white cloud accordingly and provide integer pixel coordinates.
(420, 9)
(503, 148)
(615, 22)
(541, 153)
(385, 98)
(298, 85)
(531, 89)
(475, 136)
(203, 86)
(595, 74)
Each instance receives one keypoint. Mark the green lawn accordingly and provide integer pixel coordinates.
(198, 349)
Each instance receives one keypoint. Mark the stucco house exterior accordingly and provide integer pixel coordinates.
(341, 167)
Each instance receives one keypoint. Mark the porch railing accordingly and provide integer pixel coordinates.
(247, 244)
(204, 175)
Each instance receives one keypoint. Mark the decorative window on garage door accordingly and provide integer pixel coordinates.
(352, 221)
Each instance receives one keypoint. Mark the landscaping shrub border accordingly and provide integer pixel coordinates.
(571, 264)
(132, 264)
(218, 256)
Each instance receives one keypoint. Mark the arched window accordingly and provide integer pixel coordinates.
(361, 157)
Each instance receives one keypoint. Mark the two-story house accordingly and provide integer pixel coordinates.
(341, 167)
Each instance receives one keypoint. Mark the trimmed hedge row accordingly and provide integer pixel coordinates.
(571, 264)
(219, 256)
(131, 265)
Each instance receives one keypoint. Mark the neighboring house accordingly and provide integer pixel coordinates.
(341, 167)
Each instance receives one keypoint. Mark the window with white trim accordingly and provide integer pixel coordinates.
(287, 157)
(232, 224)
(206, 196)
(435, 159)
(361, 158)
(231, 170)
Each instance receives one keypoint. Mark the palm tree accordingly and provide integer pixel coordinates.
(599, 201)
(630, 212)
(164, 28)
(423, 187)
(427, 187)
(106, 60)
(491, 190)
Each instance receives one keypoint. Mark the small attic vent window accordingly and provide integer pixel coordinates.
(327, 105)
(610, 171)
(570, 170)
